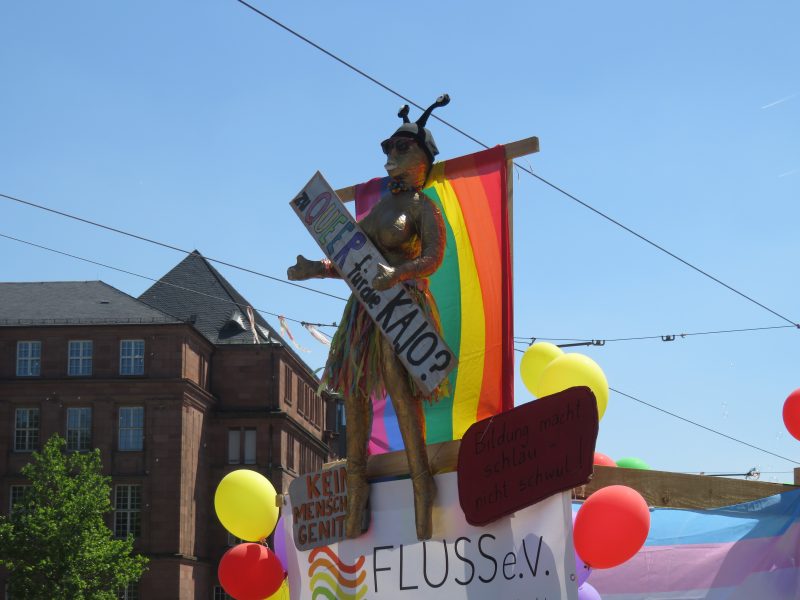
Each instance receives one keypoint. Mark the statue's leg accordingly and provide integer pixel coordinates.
(358, 412)
(411, 419)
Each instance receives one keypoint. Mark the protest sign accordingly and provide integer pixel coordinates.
(521, 456)
(319, 506)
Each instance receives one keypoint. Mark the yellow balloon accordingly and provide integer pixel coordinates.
(571, 370)
(245, 505)
(534, 361)
(282, 593)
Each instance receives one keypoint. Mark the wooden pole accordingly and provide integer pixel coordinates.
(513, 150)
(659, 488)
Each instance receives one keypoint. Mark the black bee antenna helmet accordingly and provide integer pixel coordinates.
(417, 130)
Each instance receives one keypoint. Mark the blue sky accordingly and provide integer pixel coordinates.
(194, 123)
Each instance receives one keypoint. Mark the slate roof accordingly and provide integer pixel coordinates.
(194, 291)
(73, 303)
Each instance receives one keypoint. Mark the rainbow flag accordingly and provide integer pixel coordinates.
(473, 290)
(748, 551)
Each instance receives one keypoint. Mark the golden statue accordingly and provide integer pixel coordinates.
(407, 227)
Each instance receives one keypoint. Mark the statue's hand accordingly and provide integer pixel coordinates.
(386, 278)
(303, 269)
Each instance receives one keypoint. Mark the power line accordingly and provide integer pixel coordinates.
(696, 424)
(664, 338)
(594, 342)
(164, 245)
(526, 170)
(99, 264)
(723, 474)
(583, 341)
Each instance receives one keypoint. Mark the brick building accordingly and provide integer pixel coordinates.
(176, 389)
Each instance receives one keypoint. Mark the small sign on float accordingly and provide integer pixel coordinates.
(319, 506)
(522, 456)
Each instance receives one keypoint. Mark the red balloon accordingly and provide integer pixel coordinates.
(250, 572)
(603, 460)
(611, 526)
(791, 413)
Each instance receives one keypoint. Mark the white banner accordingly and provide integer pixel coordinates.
(525, 556)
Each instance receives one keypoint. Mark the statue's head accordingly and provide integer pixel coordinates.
(412, 146)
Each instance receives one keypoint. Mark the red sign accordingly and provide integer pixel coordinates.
(524, 455)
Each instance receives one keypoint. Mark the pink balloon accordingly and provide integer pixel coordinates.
(582, 570)
(279, 542)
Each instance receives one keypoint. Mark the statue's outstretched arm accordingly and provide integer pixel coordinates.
(311, 269)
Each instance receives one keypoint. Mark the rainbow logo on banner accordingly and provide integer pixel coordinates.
(333, 579)
(473, 291)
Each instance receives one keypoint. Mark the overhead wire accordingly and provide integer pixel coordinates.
(164, 245)
(180, 287)
(521, 167)
(665, 337)
(677, 416)
(696, 424)
(519, 339)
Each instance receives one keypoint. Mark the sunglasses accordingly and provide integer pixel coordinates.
(402, 145)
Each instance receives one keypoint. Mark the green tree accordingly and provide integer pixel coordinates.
(55, 543)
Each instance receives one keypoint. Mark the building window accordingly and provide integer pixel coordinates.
(127, 510)
(287, 384)
(290, 452)
(16, 495)
(26, 429)
(131, 357)
(234, 445)
(131, 427)
(241, 445)
(309, 460)
(80, 357)
(79, 429)
(129, 592)
(219, 593)
(29, 359)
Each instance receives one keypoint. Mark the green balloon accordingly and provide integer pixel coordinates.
(630, 462)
